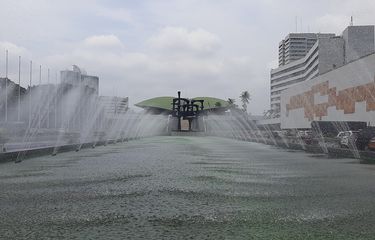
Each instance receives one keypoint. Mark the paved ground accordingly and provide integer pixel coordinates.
(187, 188)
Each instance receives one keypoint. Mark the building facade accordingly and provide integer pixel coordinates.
(327, 53)
(343, 94)
(10, 95)
(114, 105)
(296, 45)
(79, 78)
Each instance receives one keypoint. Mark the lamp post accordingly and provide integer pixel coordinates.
(40, 92)
(55, 101)
(48, 99)
(6, 86)
(19, 90)
(31, 76)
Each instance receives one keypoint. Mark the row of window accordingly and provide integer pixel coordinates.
(298, 51)
(301, 72)
(296, 66)
(298, 47)
(275, 106)
(276, 92)
(296, 80)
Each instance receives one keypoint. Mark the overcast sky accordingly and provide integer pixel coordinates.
(149, 48)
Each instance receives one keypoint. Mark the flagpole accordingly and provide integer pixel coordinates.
(19, 90)
(48, 98)
(6, 85)
(31, 76)
(40, 92)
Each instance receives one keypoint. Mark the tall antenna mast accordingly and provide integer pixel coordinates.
(351, 21)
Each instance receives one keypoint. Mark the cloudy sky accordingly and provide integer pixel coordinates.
(149, 48)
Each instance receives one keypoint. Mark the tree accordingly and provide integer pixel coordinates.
(218, 104)
(231, 103)
(245, 99)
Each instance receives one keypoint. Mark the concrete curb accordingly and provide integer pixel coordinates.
(31, 153)
(367, 157)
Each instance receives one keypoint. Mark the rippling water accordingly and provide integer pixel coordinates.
(187, 188)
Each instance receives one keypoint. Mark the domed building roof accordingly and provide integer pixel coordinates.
(164, 104)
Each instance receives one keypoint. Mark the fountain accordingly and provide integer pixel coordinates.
(52, 115)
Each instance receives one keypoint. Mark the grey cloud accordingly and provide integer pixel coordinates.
(180, 40)
(131, 72)
(218, 48)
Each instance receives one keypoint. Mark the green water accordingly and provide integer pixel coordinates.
(187, 188)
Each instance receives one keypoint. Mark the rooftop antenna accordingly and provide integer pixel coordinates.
(296, 22)
(351, 20)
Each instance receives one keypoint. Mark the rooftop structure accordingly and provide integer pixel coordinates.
(296, 45)
(78, 77)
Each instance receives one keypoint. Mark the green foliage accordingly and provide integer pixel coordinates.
(232, 103)
(245, 99)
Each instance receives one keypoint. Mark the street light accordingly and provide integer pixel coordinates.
(6, 86)
(19, 90)
(31, 76)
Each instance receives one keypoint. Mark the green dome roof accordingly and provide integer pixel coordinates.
(165, 103)
(211, 102)
(158, 102)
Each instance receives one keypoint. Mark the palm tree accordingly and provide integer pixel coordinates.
(245, 99)
(231, 101)
(232, 104)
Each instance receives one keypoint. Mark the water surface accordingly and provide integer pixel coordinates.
(187, 188)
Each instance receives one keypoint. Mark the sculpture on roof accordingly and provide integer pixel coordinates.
(187, 109)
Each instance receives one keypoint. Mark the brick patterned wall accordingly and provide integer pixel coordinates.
(343, 100)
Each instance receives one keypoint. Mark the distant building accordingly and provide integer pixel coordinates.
(10, 101)
(297, 45)
(359, 42)
(78, 77)
(112, 109)
(114, 105)
(327, 53)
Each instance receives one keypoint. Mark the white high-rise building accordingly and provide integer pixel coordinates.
(327, 53)
(297, 45)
